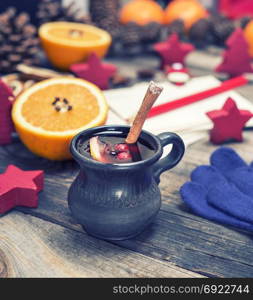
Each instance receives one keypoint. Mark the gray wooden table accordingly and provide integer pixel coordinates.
(47, 242)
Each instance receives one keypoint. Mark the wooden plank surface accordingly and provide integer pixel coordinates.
(31, 247)
(48, 242)
(176, 237)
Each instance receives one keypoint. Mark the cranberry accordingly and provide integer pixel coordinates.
(121, 147)
(124, 156)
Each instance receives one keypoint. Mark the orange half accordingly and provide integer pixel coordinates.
(66, 43)
(46, 125)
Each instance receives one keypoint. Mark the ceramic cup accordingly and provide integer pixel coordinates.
(118, 201)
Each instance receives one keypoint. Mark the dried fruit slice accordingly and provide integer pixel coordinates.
(98, 149)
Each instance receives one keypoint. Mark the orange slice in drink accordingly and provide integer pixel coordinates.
(97, 149)
(66, 43)
(50, 113)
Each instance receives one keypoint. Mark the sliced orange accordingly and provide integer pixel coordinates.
(97, 149)
(50, 113)
(66, 43)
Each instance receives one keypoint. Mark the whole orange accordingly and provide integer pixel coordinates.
(248, 33)
(190, 11)
(141, 12)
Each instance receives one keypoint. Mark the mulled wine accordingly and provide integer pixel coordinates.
(114, 147)
(118, 198)
(114, 150)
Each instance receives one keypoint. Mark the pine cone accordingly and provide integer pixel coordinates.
(176, 26)
(102, 9)
(200, 33)
(150, 32)
(244, 21)
(105, 15)
(53, 10)
(18, 40)
(221, 28)
(131, 34)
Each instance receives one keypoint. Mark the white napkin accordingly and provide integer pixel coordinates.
(125, 102)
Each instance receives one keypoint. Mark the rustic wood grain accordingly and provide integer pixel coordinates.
(31, 247)
(177, 236)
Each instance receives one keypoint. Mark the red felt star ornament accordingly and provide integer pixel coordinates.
(6, 125)
(19, 188)
(95, 71)
(228, 122)
(172, 50)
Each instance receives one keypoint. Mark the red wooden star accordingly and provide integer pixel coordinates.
(95, 71)
(228, 122)
(6, 125)
(236, 59)
(172, 50)
(19, 188)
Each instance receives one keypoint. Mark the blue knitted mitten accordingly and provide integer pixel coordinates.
(222, 192)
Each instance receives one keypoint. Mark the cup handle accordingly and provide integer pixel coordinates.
(173, 158)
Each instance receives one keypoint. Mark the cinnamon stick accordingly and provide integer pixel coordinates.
(150, 97)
